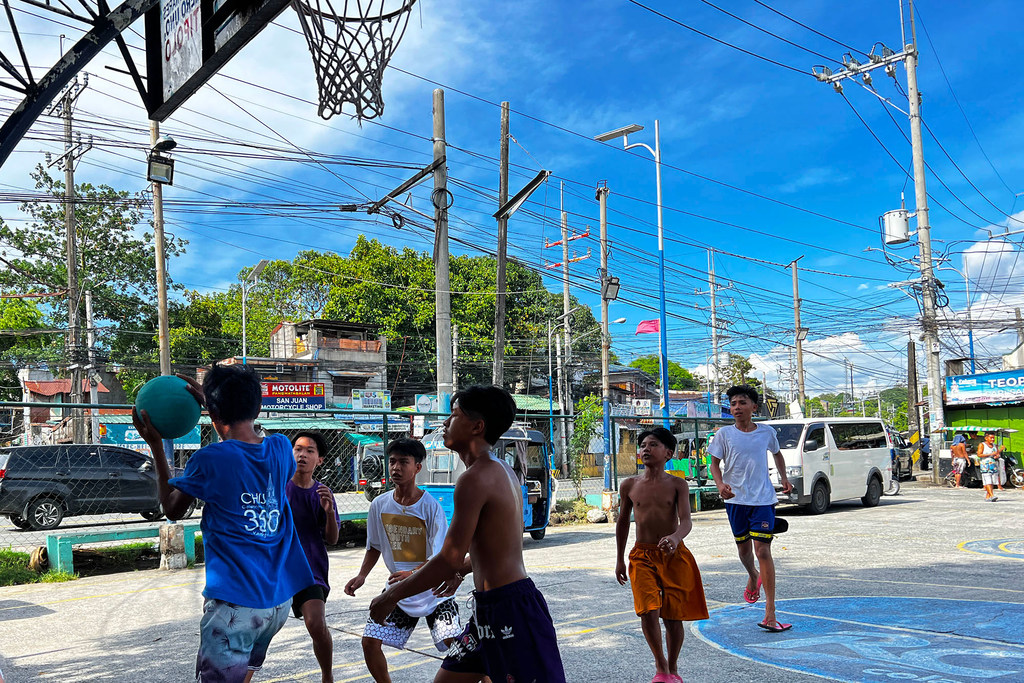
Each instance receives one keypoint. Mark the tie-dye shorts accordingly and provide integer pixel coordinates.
(233, 640)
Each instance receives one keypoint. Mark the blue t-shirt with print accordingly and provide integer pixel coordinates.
(253, 555)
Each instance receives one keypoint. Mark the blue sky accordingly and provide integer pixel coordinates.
(761, 163)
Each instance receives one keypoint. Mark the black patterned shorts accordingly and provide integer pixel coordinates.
(443, 622)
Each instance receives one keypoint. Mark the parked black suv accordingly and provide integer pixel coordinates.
(40, 485)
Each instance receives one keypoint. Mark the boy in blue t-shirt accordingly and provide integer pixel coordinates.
(254, 561)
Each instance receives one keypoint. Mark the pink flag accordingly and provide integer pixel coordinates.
(648, 326)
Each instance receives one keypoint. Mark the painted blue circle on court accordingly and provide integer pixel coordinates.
(879, 638)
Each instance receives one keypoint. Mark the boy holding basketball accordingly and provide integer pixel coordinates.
(254, 561)
(662, 572)
(316, 521)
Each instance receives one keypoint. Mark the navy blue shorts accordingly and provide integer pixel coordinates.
(510, 638)
(751, 521)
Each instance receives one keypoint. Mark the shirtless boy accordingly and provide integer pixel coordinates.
(664, 576)
(511, 636)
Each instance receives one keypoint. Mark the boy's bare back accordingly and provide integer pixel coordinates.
(655, 504)
(496, 548)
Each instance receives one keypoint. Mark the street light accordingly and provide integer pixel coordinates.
(247, 284)
(624, 133)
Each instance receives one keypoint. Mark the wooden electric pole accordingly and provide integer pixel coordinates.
(497, 377)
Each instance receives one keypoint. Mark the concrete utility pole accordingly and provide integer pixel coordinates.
(566, 309)
(602, 198)
(936, 421)
(497, 376)
(163, 327)
(1020, 326)
(913, 423)
(798, 334)
(442, 282)
(73, 150)
(887, 59)
(455, 357)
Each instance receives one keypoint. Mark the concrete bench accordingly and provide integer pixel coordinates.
(59, 546)
(351, 516)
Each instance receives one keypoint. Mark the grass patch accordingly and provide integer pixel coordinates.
(12, 576)
(14, 570)
(12, 559)
(54, 576)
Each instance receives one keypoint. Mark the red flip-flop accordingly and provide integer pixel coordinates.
(774, 626)
(753, 596)
(664, 678)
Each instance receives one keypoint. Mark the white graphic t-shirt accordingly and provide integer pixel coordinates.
(407, 536)
(744, 457)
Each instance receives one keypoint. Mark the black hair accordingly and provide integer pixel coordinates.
(406, 446)
(492, 404)
(661, 434)
(232, 393)
(317, 438)
(744, 390)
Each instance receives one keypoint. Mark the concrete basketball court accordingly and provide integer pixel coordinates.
(924, 587)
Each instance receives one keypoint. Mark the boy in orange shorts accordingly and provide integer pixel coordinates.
(664, 576)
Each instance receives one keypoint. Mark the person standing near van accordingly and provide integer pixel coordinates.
(960, 461)
(990, 456)
(739, 465)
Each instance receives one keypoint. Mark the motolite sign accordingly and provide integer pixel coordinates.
(293, 395)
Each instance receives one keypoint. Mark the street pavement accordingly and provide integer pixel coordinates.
(926, 586)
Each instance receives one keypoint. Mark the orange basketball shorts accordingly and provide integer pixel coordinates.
(670, 583)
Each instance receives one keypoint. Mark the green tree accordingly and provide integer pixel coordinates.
(738, 369)
(679, 378)
(585, 426)
(21, 342)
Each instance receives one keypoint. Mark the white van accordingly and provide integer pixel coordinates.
(832, 458)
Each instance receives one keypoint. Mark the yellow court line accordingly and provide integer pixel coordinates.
(592, 618)
(103, 595)
(1012, 553)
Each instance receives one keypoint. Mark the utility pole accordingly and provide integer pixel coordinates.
(499, 309)
(442, 282)
(913, 425)
(852, 69)
(73, 150)
(1020, 326)
(455, 357)
(602, 198)
(798, 333)
(924, 241)
(163, 328)
(561, 405)
(566, 309)
(90, 369)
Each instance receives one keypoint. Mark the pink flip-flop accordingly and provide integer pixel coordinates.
(753, 596)
(665, 678)
(774, 626)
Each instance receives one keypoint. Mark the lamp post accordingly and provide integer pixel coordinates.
(247, 284)
(662, 327)
(160, 172)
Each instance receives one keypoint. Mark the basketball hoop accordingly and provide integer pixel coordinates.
(351, 51)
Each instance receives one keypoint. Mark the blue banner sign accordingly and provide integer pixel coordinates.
(126, 435)
(989, 387)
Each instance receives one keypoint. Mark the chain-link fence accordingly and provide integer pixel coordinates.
(48, 483)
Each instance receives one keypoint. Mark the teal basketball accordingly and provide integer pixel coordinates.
(171, 408)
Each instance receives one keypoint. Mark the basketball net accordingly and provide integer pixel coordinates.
(351, 49)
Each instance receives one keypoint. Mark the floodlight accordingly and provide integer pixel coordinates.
(165, 144)
(160, 169)
(801, 334)
(610, 289)
(619, 132)
(619, 321)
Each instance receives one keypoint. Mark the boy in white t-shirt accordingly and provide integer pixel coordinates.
(739, 465)
(407, 526)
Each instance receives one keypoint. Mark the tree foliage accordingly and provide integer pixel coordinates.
(585, 426)
(679, 378)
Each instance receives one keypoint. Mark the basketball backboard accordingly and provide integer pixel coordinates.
(188, 41)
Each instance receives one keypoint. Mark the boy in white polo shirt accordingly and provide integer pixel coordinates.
(739, 465)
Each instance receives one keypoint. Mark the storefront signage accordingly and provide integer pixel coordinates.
(989, 387)
(293, 395)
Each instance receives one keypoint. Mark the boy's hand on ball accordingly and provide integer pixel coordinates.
(194, 388)
(145, 428)
(326, 497)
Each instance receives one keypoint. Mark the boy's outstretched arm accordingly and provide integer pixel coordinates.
(369, 560)
(622, 531)
(173, 501)
(468, 500)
